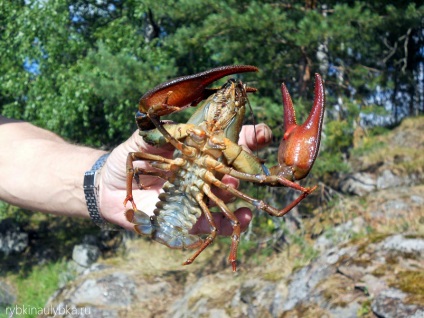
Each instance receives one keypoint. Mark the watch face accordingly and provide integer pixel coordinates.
(89, 179)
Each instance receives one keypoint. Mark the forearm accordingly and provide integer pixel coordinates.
(40, 171)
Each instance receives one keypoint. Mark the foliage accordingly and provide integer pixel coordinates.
(78, 67)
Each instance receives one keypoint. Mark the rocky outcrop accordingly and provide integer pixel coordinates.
(7, 295)
(84, 255)
(12, 238)
(362, 183)
(394, 160)
(369, 259)
(381, 276)
(356, 275)
(106, 292)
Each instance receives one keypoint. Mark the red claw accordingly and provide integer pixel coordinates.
(300, 144)
(183, 91)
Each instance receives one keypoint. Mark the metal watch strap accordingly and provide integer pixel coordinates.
(91, 192)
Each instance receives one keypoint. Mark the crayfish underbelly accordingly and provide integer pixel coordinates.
(177, 211)
(206, 147)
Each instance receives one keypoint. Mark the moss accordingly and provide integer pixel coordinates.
(373, 238)
(273, 276)
(179, 276)
(391, 259)
(365, 308)
(360, 262)
(409, 255)
(343, 260)
(306, 311)
(412, 283)
(334, 289)
(414, 236)
(394, 257)
(381, 271)
(377, 237)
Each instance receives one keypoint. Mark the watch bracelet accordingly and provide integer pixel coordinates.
(91, 192)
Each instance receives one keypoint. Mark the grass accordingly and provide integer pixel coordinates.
(35, 272)
(34, 288)
(365, 308)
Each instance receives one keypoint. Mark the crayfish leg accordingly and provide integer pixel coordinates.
(186, 150)
(140, 171)
(213, 233)
(258, 178)
(235, 236)
(131, 171)
(260, 204)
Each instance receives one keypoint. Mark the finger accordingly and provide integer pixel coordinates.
(224, 195)
(244, 215)
(138, 144)
(255, 137)
(223, 224)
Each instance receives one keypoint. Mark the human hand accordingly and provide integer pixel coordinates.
(113, 182)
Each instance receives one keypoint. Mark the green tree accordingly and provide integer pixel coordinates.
(79, 67)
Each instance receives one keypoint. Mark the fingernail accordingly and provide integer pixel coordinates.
(264, 133)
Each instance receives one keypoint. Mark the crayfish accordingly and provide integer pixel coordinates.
(206, 148)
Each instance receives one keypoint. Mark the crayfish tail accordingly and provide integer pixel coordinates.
(142, 222)
(162, 231)
(174, 238)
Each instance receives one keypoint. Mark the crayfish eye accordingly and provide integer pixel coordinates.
(143, 121)
(140, 115)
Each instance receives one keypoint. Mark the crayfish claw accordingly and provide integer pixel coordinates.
(300, 144)
(182, 92)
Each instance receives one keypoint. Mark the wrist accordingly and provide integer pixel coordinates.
(92, 180)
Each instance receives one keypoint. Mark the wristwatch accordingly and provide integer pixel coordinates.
(91, 191)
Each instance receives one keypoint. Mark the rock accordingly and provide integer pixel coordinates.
(85, 254)
(196, 299)
(104, 293)
(12, 238)
(218, 313)
(390, 303)
(387, 179)
(359, 183)
(339, 234)
(342, 280)
(7, 295)
(114, 290)
(105, 296)
(404, 244)
(360, 276)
